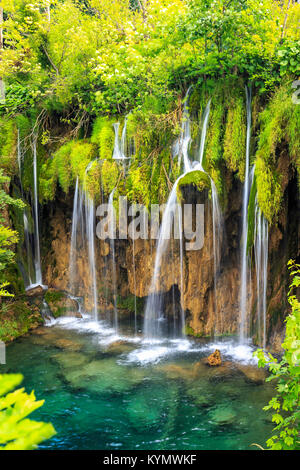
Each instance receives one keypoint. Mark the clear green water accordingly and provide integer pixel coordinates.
(100, 397)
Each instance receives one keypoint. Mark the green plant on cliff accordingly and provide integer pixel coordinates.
(7, 236)
(286, 372)
(17, 431)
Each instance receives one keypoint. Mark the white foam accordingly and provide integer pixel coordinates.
(147, 355)
(234, 351)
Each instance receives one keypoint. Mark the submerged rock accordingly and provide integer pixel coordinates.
(253, 374)
(201, 395)
(104, 376)
(69, 360)
(214, 359)
(63, 343)
(119, 347)
(222, 415)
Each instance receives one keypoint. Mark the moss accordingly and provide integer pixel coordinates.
(54, 296)
(61, 166)
(280, 126)
(103, 135)
(269, 194)
(138, 184)
(109, 176)
(197, 178)
(128, 303)
(189, 331)
(235, 137)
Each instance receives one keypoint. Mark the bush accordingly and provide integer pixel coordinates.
(287, 374)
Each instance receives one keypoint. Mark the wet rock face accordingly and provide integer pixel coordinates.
(205, 313)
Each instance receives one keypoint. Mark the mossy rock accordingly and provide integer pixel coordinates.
(60, 303)
(197, 178)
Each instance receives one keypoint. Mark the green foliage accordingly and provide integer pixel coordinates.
(289, 58)
(286, 372)
(17, 432)
(17, 317)
(7, 236)
(8, 146)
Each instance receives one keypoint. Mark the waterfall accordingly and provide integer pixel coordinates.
(245, 285)
(37, 259)
(112, 228)
(218, 224)
(90, 237)
(261, 265)
(181, 145)
(119, 152)
(29, 272)
(199, 166)
(83, 237)
(134, 284)
(153, 313)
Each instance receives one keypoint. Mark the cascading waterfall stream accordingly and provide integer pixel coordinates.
(29, 272)
(83, 237)
(119, 152)
(37, 260)
(112, 229)
(244, 258)
(90, 237)
(153, 312)
(261, 265)
(134, 285)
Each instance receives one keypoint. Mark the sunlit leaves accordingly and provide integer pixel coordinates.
(17, 432)
(287, 375)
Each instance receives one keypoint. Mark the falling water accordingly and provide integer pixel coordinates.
(83, 236)
(37, 260)
(261, 265)
(134, 285)
(199, 166)
(119, 152)
(90, 237)
(181, 145)
(244, 289)
(29, 275)
(112, 224)
(153, 312)
(217, 237)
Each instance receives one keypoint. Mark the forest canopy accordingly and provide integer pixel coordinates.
(106, 57)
